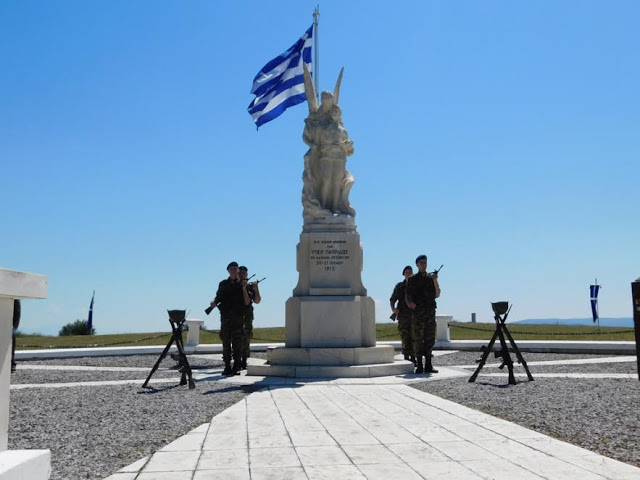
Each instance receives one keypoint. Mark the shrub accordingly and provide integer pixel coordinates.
(79, 327)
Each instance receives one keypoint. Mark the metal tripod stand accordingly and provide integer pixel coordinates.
(176, 319)
(501, 312)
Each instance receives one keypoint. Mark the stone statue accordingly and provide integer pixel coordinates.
(326, 180)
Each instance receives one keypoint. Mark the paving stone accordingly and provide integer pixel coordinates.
(224, 441)
(135, 466)
(172, 462)
(224, 459)
(223, 474)
(122, 476)
(341, 472)
(311, 438)
(326, 455)
(357, 436)
(550, 467)
(278, 473)
(268, 440)
(461, 450)
(389, 471)
(445, 470)
(500, 469)
(273, 457)
(189, 442)
(165, 476)
(607, 467)
(370, 454)
(417, 453)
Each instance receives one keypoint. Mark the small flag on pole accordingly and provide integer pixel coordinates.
(280, 83)
(90, 319)
(593, 290)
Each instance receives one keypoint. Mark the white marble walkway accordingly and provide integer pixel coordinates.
(366, 432)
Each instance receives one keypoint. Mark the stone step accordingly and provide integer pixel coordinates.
(401, 367)
(330, 356)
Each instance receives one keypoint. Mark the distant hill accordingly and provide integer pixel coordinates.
(604, 322)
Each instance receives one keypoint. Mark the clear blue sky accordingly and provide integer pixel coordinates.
(500, 138)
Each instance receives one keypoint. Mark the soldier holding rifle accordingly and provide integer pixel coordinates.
(251, 295)
(422, 291)
(403, 314)
(231, 299)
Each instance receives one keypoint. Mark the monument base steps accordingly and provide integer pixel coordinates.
(330, 356)
(402, 367)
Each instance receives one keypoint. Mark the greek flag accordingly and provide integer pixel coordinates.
(593, 290)
(280, 83)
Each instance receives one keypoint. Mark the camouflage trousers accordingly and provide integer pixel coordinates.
(248, 335)
(424, 330)
(405, 322)
(232, 337)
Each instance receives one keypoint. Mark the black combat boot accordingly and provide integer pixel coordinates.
(243, 363)
(412, 358)
(235, 370)
(419, 367)
(428, 368)
(406, 356)
(227, 369)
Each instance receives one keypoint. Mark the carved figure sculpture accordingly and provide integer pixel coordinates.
(326, 180)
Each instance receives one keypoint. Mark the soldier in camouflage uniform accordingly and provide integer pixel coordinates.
(254, 297)
(422, 291)
(404, 314)
(231, 299)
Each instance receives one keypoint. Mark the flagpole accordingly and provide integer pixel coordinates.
(316, 60)
(598, 308)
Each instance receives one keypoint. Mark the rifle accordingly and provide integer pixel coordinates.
(437, 271)
(210, 308)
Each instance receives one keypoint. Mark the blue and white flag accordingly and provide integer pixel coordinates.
(593, 290)
(280, 83)
(90, 319)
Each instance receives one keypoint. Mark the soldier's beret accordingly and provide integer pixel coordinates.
(243, 268)
(420, 257)
(405, 269)
(232, 264)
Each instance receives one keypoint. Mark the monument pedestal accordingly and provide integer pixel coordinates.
(330, 320)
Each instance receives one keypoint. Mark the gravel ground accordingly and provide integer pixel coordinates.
(61, 376)
(143, 361)
(94, 431)
(629, 367)
(597, 414)
(469, 358)
(167, 368)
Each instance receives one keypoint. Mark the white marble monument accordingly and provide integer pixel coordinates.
(330, 320)
(31, 464)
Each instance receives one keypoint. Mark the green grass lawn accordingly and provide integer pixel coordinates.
(484, 331)
(384, 332)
